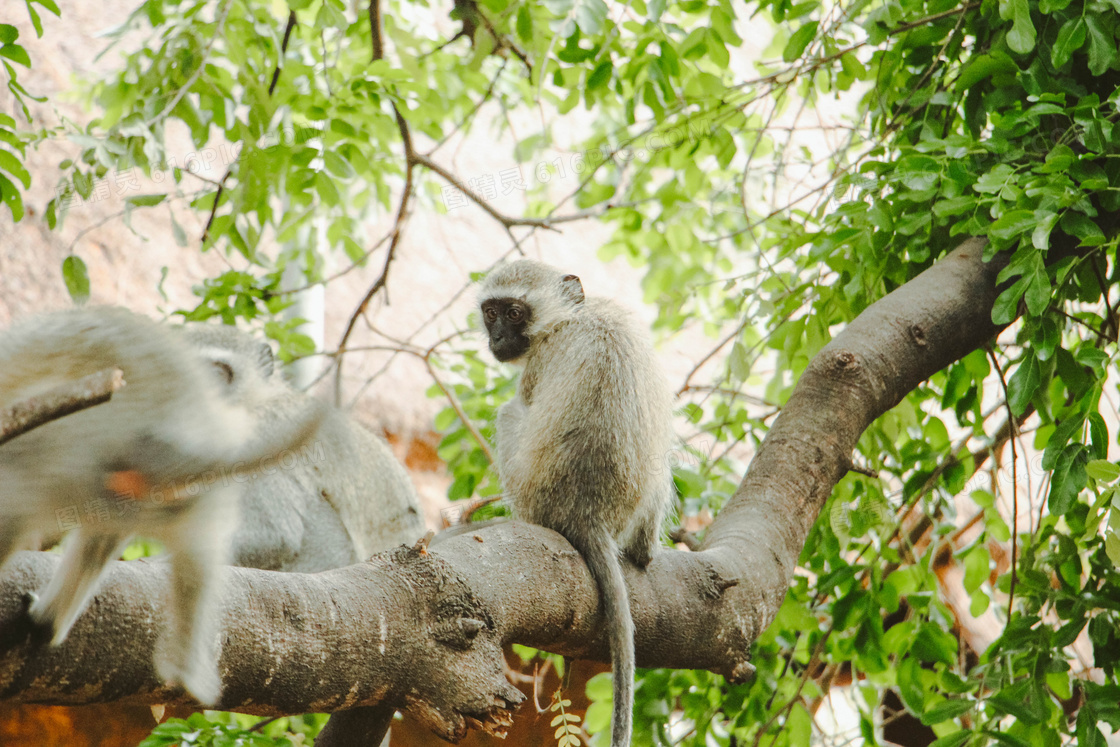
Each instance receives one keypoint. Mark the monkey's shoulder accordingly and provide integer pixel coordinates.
(599, 326)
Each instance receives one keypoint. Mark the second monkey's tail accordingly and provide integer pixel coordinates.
(601, 555)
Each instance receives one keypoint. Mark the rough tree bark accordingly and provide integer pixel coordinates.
(422, 629)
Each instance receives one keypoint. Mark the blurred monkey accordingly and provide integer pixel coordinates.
(339, 500)
(162, 459)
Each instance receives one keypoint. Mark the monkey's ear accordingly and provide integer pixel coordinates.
(266, 360)
(572, 288)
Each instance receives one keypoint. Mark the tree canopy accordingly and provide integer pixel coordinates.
(963, 573)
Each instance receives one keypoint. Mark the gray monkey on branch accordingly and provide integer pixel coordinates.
(338, 500)
(161, 459)
(583, 448)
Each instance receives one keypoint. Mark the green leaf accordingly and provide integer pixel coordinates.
(146, 200)
(982, 67)
(1102, 45)
(11, 164)
(1090, 356)
(1012, 223)
(76, 276)
(1037, 294)
(1016, 701)
(1022, 35)
(35, 20)
(955, 739)
(590, 15)
(16, 53)
(324, 185)
(600, 76)
(1006, 307)
(1071, 36)
(953, 206)
(177, 232)
(946, 710)
(1112, 547)
(977, 568)
(1060, 437)
(8, 33)
(1103, 470)
(1083, 227)
(1088, 735)
(1068, 480)
(910, 686)
(1058, 159)
(740, 362)
(337, 165)
(9, 194)
(524, 23)
(1040, 237)
(1098, 436)
(799, 41)
(1023, 384)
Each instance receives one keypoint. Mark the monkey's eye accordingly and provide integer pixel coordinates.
(515, 314)
(489, 314)
(225, 371)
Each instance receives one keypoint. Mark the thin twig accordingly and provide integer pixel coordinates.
(474, 504)
(455, 405)
(1014, 483)
(1111, 322)
(283, 50)
(505, 220)
(378, 284)
(474, 110)
(410, 157)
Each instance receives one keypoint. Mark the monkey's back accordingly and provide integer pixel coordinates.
(339, 499)
(598, 428)
(166, 399)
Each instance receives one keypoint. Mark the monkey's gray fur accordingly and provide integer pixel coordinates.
(583, 448)
(170, 432)
(339, 500)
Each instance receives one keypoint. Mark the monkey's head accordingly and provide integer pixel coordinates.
(244, 365)
(522, 299)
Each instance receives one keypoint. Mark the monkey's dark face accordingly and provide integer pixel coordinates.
(506, 320)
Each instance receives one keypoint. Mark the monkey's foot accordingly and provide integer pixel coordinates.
(199, 679)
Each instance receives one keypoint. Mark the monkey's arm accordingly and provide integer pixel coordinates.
(511, 416)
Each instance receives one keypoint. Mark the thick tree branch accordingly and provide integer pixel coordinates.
(422, 629)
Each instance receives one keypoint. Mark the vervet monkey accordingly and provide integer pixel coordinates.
(583, 447)
(335, 502)
(160, 459)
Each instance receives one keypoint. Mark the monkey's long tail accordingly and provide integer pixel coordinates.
(601, 555)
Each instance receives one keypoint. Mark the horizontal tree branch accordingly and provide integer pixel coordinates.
(60, 401)
(422, 629)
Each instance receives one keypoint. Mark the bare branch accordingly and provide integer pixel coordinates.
(60, 401)
(505, 220)
(410, 158)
